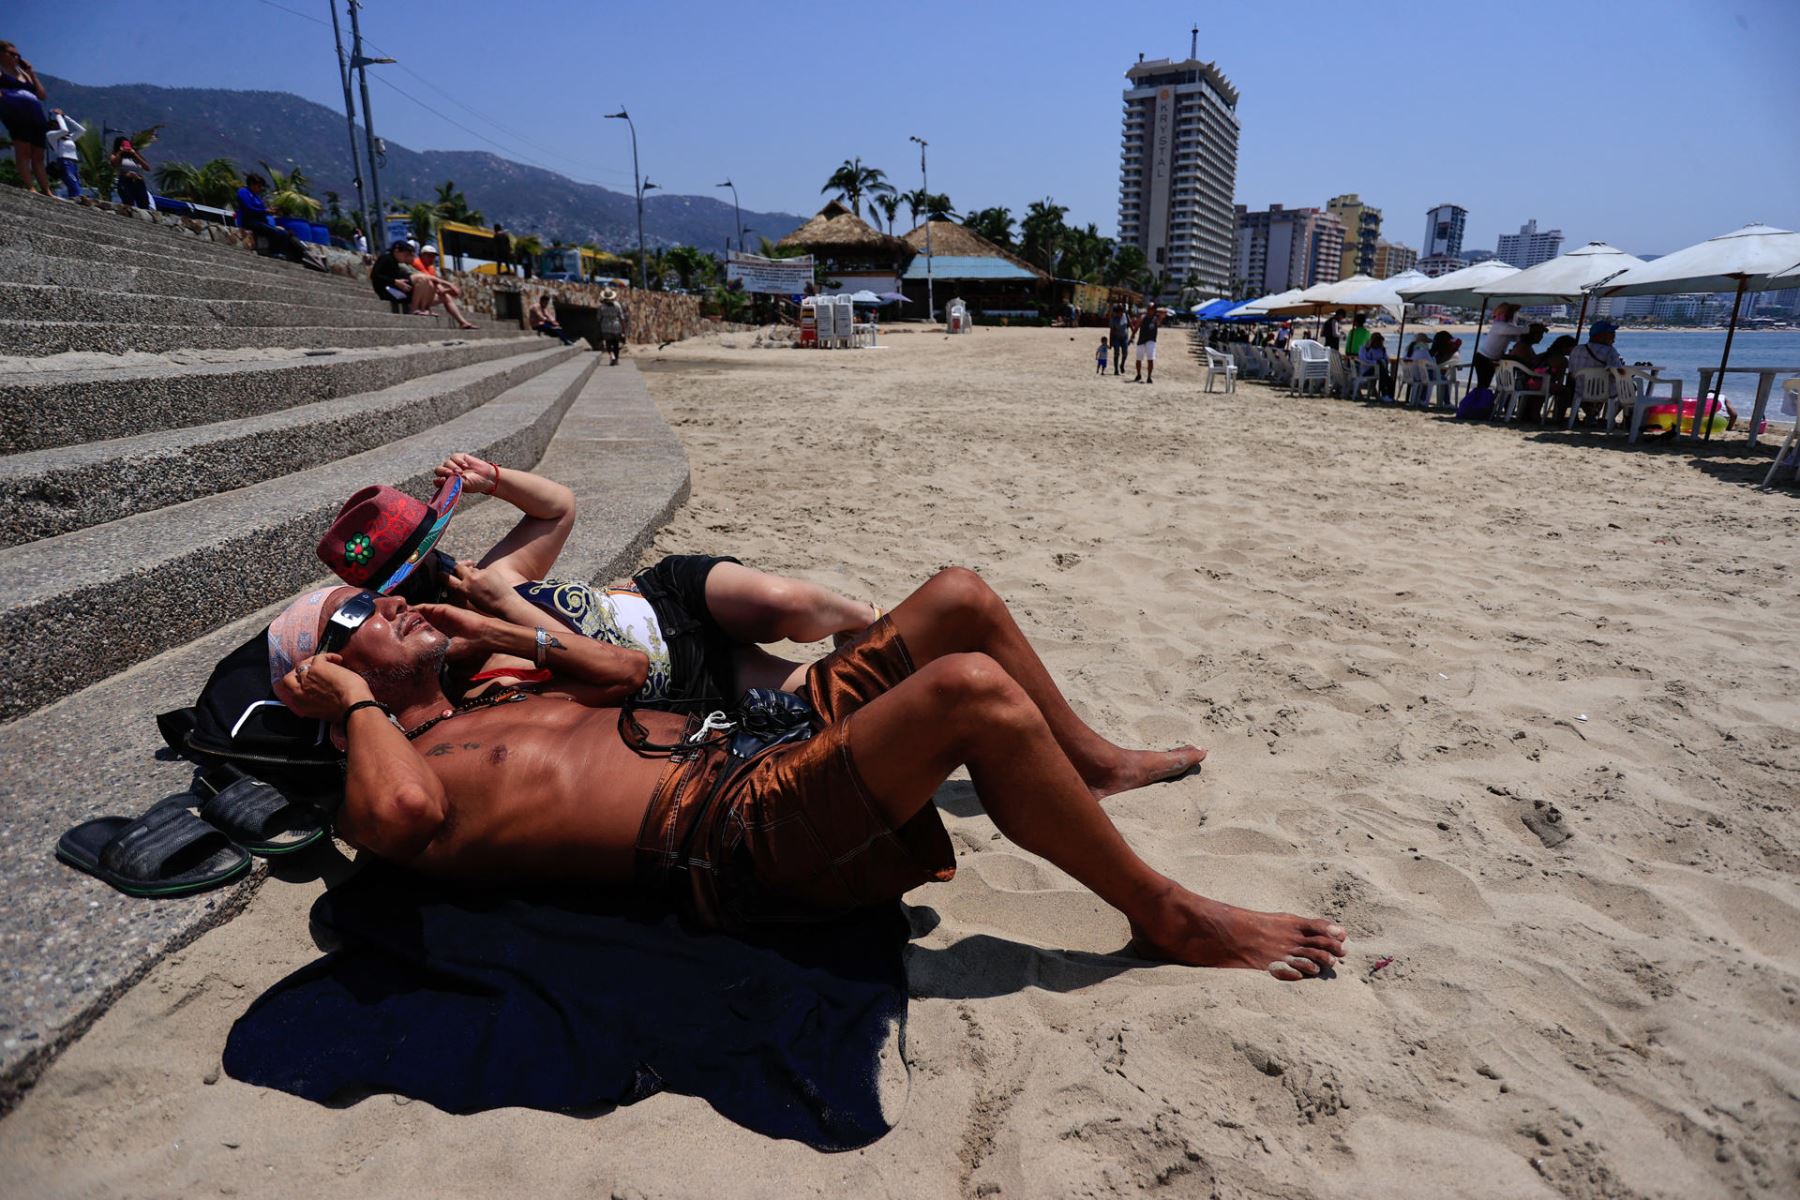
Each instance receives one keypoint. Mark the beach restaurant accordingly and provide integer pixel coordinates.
(993, 281)
(852, 255)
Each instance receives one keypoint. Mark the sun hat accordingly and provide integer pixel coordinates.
(609, 294)
(381, 534)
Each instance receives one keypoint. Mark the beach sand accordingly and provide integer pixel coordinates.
(1395, 634)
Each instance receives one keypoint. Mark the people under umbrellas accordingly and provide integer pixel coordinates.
(1373, 353)
(1358, 336)
(1598, 353)
(1328, 333)
(1501, 332)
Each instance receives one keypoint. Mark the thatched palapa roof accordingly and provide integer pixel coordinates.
(835, 230)
(950, 240)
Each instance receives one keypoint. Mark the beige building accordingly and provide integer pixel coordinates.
(1362, 230)
(1392, 259)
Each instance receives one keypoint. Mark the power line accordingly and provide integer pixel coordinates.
(510, 150)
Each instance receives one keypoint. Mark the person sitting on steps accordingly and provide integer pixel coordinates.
(555, 782)
(393, 278)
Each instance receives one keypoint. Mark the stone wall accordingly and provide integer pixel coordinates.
(656, 317)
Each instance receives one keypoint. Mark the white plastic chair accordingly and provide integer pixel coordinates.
(1366, 373)
(1790, 407)
(1311, 363)
(1219, 363)
(1593, 385)
(1514, 382)
(1426, 384)
(1613, 389)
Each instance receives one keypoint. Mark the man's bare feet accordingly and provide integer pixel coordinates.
(1138, 768)
(465, 325)
(1198, 932)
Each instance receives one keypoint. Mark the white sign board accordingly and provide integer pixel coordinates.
(779, 276)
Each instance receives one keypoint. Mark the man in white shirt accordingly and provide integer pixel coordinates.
(61, 135)
(1494, 343)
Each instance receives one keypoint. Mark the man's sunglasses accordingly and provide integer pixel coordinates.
(347, 620)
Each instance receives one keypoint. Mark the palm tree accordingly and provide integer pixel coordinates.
(423, 218)
(1042, 230)
(853, 181)
(1127, 268)
(937, 207)
(452, 205)
(656, 270)
(288, 194)
(687, 262)
(214, 182)
(888, 205)
(994, 224)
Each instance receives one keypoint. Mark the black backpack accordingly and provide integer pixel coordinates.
(238, 720)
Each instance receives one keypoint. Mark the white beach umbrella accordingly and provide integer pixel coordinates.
(1457, 288)
(1566, 277)
(1384, 293)
(1262, 303)
(1321, 297)
(1752, 259)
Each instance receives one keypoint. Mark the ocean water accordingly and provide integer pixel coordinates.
(1683, 354)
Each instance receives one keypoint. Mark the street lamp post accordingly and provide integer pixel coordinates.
(925, 186)
(360, 65)
(736, 212)
(638, 185)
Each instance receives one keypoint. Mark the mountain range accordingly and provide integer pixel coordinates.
(285, 131)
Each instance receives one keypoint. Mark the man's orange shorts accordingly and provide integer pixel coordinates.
(797, 836)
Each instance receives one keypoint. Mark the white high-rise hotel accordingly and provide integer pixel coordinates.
(1178, 170)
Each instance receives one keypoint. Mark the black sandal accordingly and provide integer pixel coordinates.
(166, 852)
(253, 814)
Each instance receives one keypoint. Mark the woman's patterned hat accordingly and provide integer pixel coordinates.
(381, 534)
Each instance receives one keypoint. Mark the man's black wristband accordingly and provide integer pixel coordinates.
(385, 711)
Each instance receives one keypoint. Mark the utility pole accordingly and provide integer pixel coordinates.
(925, 186)
(736, 212)
(360, 65)
(362, 200)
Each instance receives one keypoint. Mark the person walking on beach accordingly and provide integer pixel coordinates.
(62, 133)
(22, 112)
(1120, 335)
(1146, 346)
(1100, 356)
(613, 322)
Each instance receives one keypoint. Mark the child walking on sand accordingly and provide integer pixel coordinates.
(1100, 357)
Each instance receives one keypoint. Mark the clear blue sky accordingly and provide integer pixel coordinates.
(1651, 123)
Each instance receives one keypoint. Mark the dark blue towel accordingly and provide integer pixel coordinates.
(471, 1001)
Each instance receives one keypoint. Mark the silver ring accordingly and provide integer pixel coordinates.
(305, 667)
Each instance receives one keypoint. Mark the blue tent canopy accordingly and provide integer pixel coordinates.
(1215, 309)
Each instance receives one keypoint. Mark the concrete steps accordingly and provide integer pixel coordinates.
(90, 603)
(53, 264)
(50, 303)
(62, 406)
(35, 339)
(47, 493)
(20, 210)
(69, 945)
(58, 248)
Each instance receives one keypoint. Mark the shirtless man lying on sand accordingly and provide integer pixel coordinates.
(510, 784)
